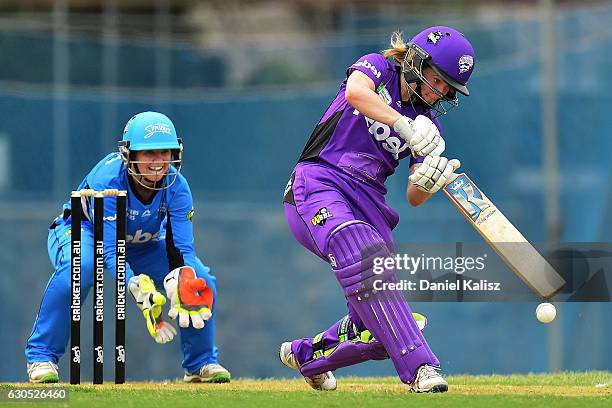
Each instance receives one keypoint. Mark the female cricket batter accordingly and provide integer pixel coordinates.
(335, 205)
(159, 251)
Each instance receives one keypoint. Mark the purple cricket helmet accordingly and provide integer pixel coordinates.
(448, 53)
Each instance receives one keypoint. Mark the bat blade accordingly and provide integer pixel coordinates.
(503, 237)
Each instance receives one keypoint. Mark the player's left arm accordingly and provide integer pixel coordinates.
(179, 228)
(428, 177)
(415, 196)
(190, 298)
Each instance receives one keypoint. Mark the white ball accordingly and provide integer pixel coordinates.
(546, 312)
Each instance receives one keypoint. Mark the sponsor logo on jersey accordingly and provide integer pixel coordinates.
(141, 237)
(382, 133)
(132, 214)
(321, 217)
(384, 94)
(466, 62)
(368, 65)
(157, 128)
(146, 213)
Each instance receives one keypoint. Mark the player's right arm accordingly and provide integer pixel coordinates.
(421, 134)
(361, 95)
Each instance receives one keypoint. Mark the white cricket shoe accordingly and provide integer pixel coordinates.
(43, 372)
(320, 382)
(428, 380)
(209, 373)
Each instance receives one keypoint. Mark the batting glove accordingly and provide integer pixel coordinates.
(150, 301)
(421, 134)
(434, 173)
(190, 298)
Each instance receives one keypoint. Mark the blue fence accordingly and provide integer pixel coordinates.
(240, 147)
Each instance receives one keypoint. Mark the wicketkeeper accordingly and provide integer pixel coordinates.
(160, 254)
(335, 205)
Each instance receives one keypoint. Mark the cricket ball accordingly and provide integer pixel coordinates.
(546, 312)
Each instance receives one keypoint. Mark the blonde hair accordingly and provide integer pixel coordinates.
(398, 49)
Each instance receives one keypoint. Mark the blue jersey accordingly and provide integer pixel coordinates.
(167, 217)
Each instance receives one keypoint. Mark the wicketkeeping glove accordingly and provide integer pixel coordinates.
(189, 297)
(150, 301)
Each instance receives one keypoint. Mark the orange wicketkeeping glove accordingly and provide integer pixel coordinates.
(189, 296)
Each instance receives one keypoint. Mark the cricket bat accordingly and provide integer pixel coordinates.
(503, 237)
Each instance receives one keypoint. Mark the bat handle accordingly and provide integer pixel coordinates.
(456, 164)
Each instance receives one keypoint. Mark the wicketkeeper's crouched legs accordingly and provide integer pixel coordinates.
(51, 330)
(354, 245)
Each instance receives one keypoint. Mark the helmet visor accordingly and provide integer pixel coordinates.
(452, 82)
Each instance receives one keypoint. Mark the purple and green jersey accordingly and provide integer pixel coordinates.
(363, 148)
(335, 207)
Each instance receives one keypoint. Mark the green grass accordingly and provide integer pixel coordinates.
(567, 389)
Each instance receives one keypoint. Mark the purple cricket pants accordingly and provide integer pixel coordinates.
(319, 201)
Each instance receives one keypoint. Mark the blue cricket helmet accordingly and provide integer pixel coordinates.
(150, 131)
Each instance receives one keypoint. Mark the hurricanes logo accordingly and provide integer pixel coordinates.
(321, 217)
(466, 62)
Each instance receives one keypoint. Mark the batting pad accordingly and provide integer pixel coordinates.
(354, 246)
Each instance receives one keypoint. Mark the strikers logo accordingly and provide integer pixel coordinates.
(321, 217)
(157, 128)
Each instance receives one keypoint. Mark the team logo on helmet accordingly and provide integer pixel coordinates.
(434, 37)
(157, 128)
(466, 62)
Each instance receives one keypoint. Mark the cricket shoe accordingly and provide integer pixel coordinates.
(320, 382)
(43, 372)
(428, 380)
(209, 373)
